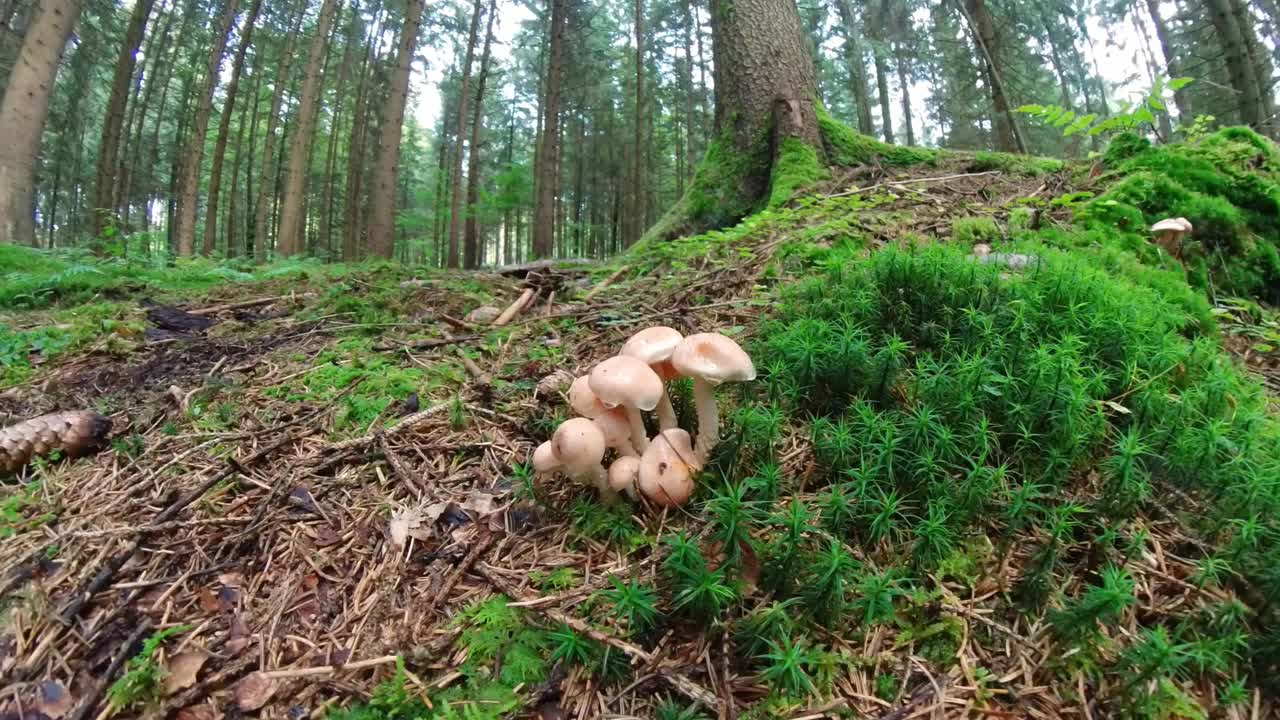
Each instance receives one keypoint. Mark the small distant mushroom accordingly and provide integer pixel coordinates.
(627, 383)
(1169, 233)
(667, 468)
(617, 432)
(654, 346)
(710, 359)
(545, 461)
(578, 446)
(623, 475)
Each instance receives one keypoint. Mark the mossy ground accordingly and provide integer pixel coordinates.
(1043, 492)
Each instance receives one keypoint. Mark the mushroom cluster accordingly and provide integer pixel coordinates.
(611, 400)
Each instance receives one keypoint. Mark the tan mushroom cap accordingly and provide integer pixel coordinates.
(583, 401)
(578, 444)
(714, 358)
(1186, 224)
(626, 381)
(652, 345)
(614, 426)
(623, 474)
(1169, 225)
(667, 468)
(544, 458)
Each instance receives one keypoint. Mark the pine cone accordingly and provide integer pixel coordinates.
(74, 432)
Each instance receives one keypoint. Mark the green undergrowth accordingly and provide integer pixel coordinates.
(957, 414)
(23, 350)
(1226, 183)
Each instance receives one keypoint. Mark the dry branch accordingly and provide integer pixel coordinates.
(514, 308)
(214, 309)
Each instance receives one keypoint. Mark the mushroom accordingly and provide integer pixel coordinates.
(1169, 234)
(627, 383)
(578, 445)
(545, 460)
(710, 359)
(583, 401)
(667, 468)
(654, 346)
(617, 432)
(623, 474)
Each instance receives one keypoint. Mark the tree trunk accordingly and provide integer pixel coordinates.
(1173, 66)
(692, 151)
(638, 174)
(882, 86)
(460, 131)
(549, 146)
(351, 215)
(267, 182)
(1008, 138)
(132, 161)
(224, 132)
(292, 218)
(105, 187)
(1259, 62)
(23, 112)
(232, 195)
(382, 213)
(905, 81)
(474, 253)
(189, 182)
(331, 159)
(856, 66)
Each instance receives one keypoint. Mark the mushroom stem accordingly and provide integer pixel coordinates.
(626, 449)
(639, 440)
(666, 413)
(708, 418)
(596, 475)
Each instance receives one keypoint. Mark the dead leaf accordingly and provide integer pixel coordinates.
(238, 638)
(235, 580)
(301, 497)
(254, 691)
(479, 502)
(324, 536)
(197, 712)
(182, 670)
(53, 700)
(404, 522)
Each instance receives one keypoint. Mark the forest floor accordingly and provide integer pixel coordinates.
(315, 475)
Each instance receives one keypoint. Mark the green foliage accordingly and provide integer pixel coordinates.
(848, 147)
(634, 604)
(1129, 117)
(141, 682)
(788, 666)
(795, 167)
(974, 230)
(1026, 165)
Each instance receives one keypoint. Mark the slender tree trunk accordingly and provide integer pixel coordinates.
(105, 186)
(692, 151)
(224, 133)
(292, 217)
(1172, 65)
(704, 89)
(856, 66)
(549, 147)
(250, 166)
(267, 182)
(382, 212)
(157, 49)
(460, 131)
(905, 81)
(579, 178)
(189, 185)
(351, 226)
(1259, 61)
(23, 112)
(1008, 137)
(232, 195)
(331, 161)
(638, 174)
(474, 252)
(882, 85)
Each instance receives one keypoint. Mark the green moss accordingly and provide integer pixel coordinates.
(974, 230)
(846, 146)
(1027, 165)
(796, 166)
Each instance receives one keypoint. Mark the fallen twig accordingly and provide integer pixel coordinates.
(327, 669)
(426, 344)
(447, 586)
(122, 654)
(899, 183)
(409, 422)
(600, 286)
(514, 308)
(214, 309)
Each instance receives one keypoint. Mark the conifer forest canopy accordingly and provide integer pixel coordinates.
(676, 359)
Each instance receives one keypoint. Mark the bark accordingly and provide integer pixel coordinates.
(232, 195)
(104, 202)
(460, 130)
(382, 212)
(189, 181)
(702, 76)
(267, 182)
(856, 66)
(292, 216)
(152, 157)
(23, 112)
(474, 253)
(905, 81)
(224, 132)
(686, 78)
(1259, 62)
(157, 48)
(1172, 65)
(882, 87)
(978, 17)
(331, 159)
(638, 174)
(549, 146)
(351, 225)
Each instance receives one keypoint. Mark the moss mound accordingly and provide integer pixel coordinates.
(1226, 183)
